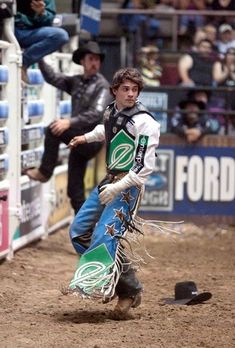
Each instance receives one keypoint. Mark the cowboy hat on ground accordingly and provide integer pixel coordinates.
(186, 293)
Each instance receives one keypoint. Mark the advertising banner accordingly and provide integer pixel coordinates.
(4, 230)
(30, 226)
(155, 102)
(61, 208)
(191, 180)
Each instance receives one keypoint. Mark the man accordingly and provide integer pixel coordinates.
(226, 39)
(190, 123)
(107, 219)
(34, 31)
(195, 68)
(90, 96)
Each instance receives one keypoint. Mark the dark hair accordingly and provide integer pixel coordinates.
(123, 74)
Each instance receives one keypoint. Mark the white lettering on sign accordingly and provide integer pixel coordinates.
(162, 163)
(30, 210)
(156, 198)
(227, 179)
(208, 178)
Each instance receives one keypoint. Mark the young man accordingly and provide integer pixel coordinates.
(90, 96)
(107, 218)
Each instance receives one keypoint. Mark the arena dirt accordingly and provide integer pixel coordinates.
(34, 313)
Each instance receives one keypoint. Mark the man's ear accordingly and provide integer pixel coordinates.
(114, 91)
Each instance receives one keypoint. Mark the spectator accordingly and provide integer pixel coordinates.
(136, 23)
(214, 105)
(195, 68)
(226, 40)
(166, 4)
(198, 37)
(90, 96)
(208, 32)
(34, 31)
(221, 5)
(211, 33)
(189, 23)
(190, 123)
(224, 71)
(150, 68)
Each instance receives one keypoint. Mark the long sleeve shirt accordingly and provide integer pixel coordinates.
(28, 19)
(90, 97)
(143, 125)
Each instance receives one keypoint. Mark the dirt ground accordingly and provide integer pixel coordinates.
(34, 313)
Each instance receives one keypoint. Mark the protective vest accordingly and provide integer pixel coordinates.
(120, 143)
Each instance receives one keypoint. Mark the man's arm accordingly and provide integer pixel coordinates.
(38, 13)
(92, 115)
(45, 12)
(184, 65)
(55, 79)
(97, 134)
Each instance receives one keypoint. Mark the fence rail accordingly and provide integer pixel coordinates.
(166, 13)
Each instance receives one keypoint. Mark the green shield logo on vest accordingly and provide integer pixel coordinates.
(121, 152)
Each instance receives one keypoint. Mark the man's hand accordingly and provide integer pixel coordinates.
(59, 126)
(80, 139)
(192, 134)
(38, 6)
(108, 192)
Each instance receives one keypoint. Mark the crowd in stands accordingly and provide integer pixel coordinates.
(207, 61)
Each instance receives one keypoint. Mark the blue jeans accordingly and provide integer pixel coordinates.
(88, 231)
(39, 42)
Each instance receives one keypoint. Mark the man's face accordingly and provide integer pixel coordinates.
(91, 64)
(226, 36)
(192, 115)
(126, 94)
(205, 48)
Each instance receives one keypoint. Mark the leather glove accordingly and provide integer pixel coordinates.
(109, 191)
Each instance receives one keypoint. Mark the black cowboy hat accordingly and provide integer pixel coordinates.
(89, 47)
(184, 103)
(186, 294)
(191, 94)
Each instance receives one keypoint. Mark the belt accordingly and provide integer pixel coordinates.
(116, 177)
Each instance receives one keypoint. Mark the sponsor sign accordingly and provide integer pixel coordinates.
(31, 158)
(155, 102)
(31, 209)
(3, 137)
(4, 231)
(61, 208)
(159, 186)
(192, 181)
(31, 134)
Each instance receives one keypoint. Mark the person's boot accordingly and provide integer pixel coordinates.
(121, 310)
(137, 300)
(123, 306)
(35, 174)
